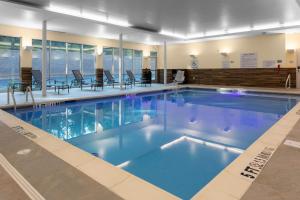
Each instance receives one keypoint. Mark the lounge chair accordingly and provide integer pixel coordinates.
(57, 85)
(131, 77)
(146, 77)
(37, 82)
(80, 81)
(179, 78)
(110, 78)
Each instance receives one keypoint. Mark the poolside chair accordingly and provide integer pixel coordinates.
(110, 78)
(80, 81)
(57, 85)
(146, 77)
(37, 76)
(131, 77)
(179, 78)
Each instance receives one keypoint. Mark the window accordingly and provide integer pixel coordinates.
(116, 62)
(137, 63)
(88, 61)
(58, 61)
(133, 60)
(111, 61)
(9, 60)
(108, 59)
(74, 59)
(128, 56)
(63, 57)
(37, 56)
(153, 64)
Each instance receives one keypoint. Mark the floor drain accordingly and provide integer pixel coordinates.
(24, 152)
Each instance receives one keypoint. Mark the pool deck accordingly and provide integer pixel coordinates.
(280, 178)
(77, 94)
(9, 189)
(50, 176)
(67, 168)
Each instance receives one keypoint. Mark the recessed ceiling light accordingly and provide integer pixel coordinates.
(171, 34)
(87, 15)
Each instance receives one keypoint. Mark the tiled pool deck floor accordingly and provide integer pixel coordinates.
(77, 94)
(49, 175)
(280, 179)
(9, 189)
(60, 171)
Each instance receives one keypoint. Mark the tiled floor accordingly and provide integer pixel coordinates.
(50, 176)
(280, 179)
(76, 93)
(9, 189)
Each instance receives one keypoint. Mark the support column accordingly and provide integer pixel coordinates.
(121, 59)
(44, 58)
(165, 63)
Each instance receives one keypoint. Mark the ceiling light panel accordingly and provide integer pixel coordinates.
(87, 14)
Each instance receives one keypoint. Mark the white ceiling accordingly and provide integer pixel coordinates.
(175, 20)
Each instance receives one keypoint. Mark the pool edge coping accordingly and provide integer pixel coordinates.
(229, 184)
(113, 178)
(128, 181)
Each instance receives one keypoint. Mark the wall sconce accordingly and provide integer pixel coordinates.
(99, 51)
(225, 54)
(194, 62)
(28, 48)
(146, 54)
(290, 51)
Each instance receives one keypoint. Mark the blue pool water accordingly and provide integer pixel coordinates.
(175, 140)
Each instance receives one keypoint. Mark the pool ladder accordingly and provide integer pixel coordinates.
(288, 82)
(10, 92)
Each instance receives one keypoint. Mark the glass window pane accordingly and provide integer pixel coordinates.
(153, 64)
(116, 63)
(89, 61)
(37, 56)
(108, 59)
(128, 59)
(74, 58)
(153, 54)
(58, 61)
(138, 63)
(9, 60)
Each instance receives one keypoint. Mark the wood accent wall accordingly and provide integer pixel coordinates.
(99, 75)
(251, 77)
(160, 76)
(26, 77)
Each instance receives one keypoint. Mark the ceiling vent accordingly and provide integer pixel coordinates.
(31, 3)
(146, 28)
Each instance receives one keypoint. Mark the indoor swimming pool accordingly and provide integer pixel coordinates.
(177, 140)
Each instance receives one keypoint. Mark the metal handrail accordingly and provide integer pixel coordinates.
(10, 91)
(28, 90)
(288, 82)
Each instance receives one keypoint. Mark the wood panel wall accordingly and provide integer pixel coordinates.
(99, 75)
(26, 77)
(251, 77)
(160, 76)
